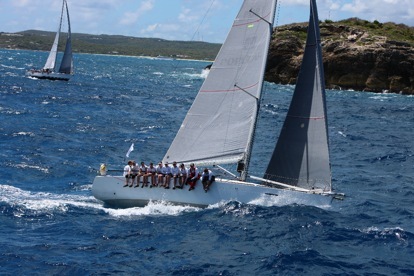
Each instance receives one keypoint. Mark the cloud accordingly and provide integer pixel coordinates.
(357, 7)
(132, 17)
(187, 16)
(382, 10)
(167, 31)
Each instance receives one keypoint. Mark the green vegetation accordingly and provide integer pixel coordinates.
(393, 31)
(133, 46)
(335, 30)
(112, 44)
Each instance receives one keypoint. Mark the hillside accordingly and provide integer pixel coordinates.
(112, 44)
(358, 54)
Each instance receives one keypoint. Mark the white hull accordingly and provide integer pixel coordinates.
(111, 190)
(49, 76)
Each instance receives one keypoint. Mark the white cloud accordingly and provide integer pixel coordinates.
(382, 10)
(183, 19)
(356, 7)
(132, 17)
(188, 16)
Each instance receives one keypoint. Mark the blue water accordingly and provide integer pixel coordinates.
(54, 136)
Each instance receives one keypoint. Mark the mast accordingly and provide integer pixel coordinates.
(243, 167)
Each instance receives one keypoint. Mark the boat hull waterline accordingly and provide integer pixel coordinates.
(49, 76)
(111, 190)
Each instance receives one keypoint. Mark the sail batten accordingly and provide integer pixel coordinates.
(219, 126)
(301, 155)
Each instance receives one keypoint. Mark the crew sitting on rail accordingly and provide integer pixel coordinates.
(160, 175)
(166, 171)
(207, 179)
(193, 176)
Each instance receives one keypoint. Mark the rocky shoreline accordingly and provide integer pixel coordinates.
(354, 58)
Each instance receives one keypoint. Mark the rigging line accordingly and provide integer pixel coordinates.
(175, 64)
(245, 91)
(277, 12)
(202, 20)
(260, 17)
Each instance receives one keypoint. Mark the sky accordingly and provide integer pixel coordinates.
(188, 20)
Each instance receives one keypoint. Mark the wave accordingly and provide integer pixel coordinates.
(27, 166)
(21, 203)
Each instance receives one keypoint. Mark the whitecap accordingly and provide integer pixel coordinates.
(23, 133)
(152, 209)
(27, 166)
(41, 202)
(50, 203)
(341, 133)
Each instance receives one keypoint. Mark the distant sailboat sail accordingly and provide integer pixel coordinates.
(301, 156)
(66, 67)
(51, 59)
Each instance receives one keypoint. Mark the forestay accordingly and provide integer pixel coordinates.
(301, 156)
(220, 124)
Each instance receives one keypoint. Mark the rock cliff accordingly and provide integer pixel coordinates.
(357, 55)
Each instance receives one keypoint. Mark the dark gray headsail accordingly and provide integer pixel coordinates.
(66, 65)
(219, 127)
(301, 156)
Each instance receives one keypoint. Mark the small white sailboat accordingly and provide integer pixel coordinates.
(220, 126)
(65, 71)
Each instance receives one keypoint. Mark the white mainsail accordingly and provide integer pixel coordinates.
(301, 156)
(51, 59)
(219, 126)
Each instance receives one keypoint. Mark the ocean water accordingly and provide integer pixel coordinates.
(54, 136)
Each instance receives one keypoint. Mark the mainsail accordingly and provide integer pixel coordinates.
(66, 66)
(51, 59)
(301, 156)
(219, 126)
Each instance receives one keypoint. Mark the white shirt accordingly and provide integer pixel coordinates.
(166, 170)
(127, 170)
(208, 175)
(175, 170)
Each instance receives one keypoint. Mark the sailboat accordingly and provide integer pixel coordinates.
(65, 71)
(219, 128)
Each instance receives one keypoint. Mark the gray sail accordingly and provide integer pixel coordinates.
(301, 156)
(219, 126)
(51, 59)
(66, 66)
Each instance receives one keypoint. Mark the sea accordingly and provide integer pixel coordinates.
(54, 135)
